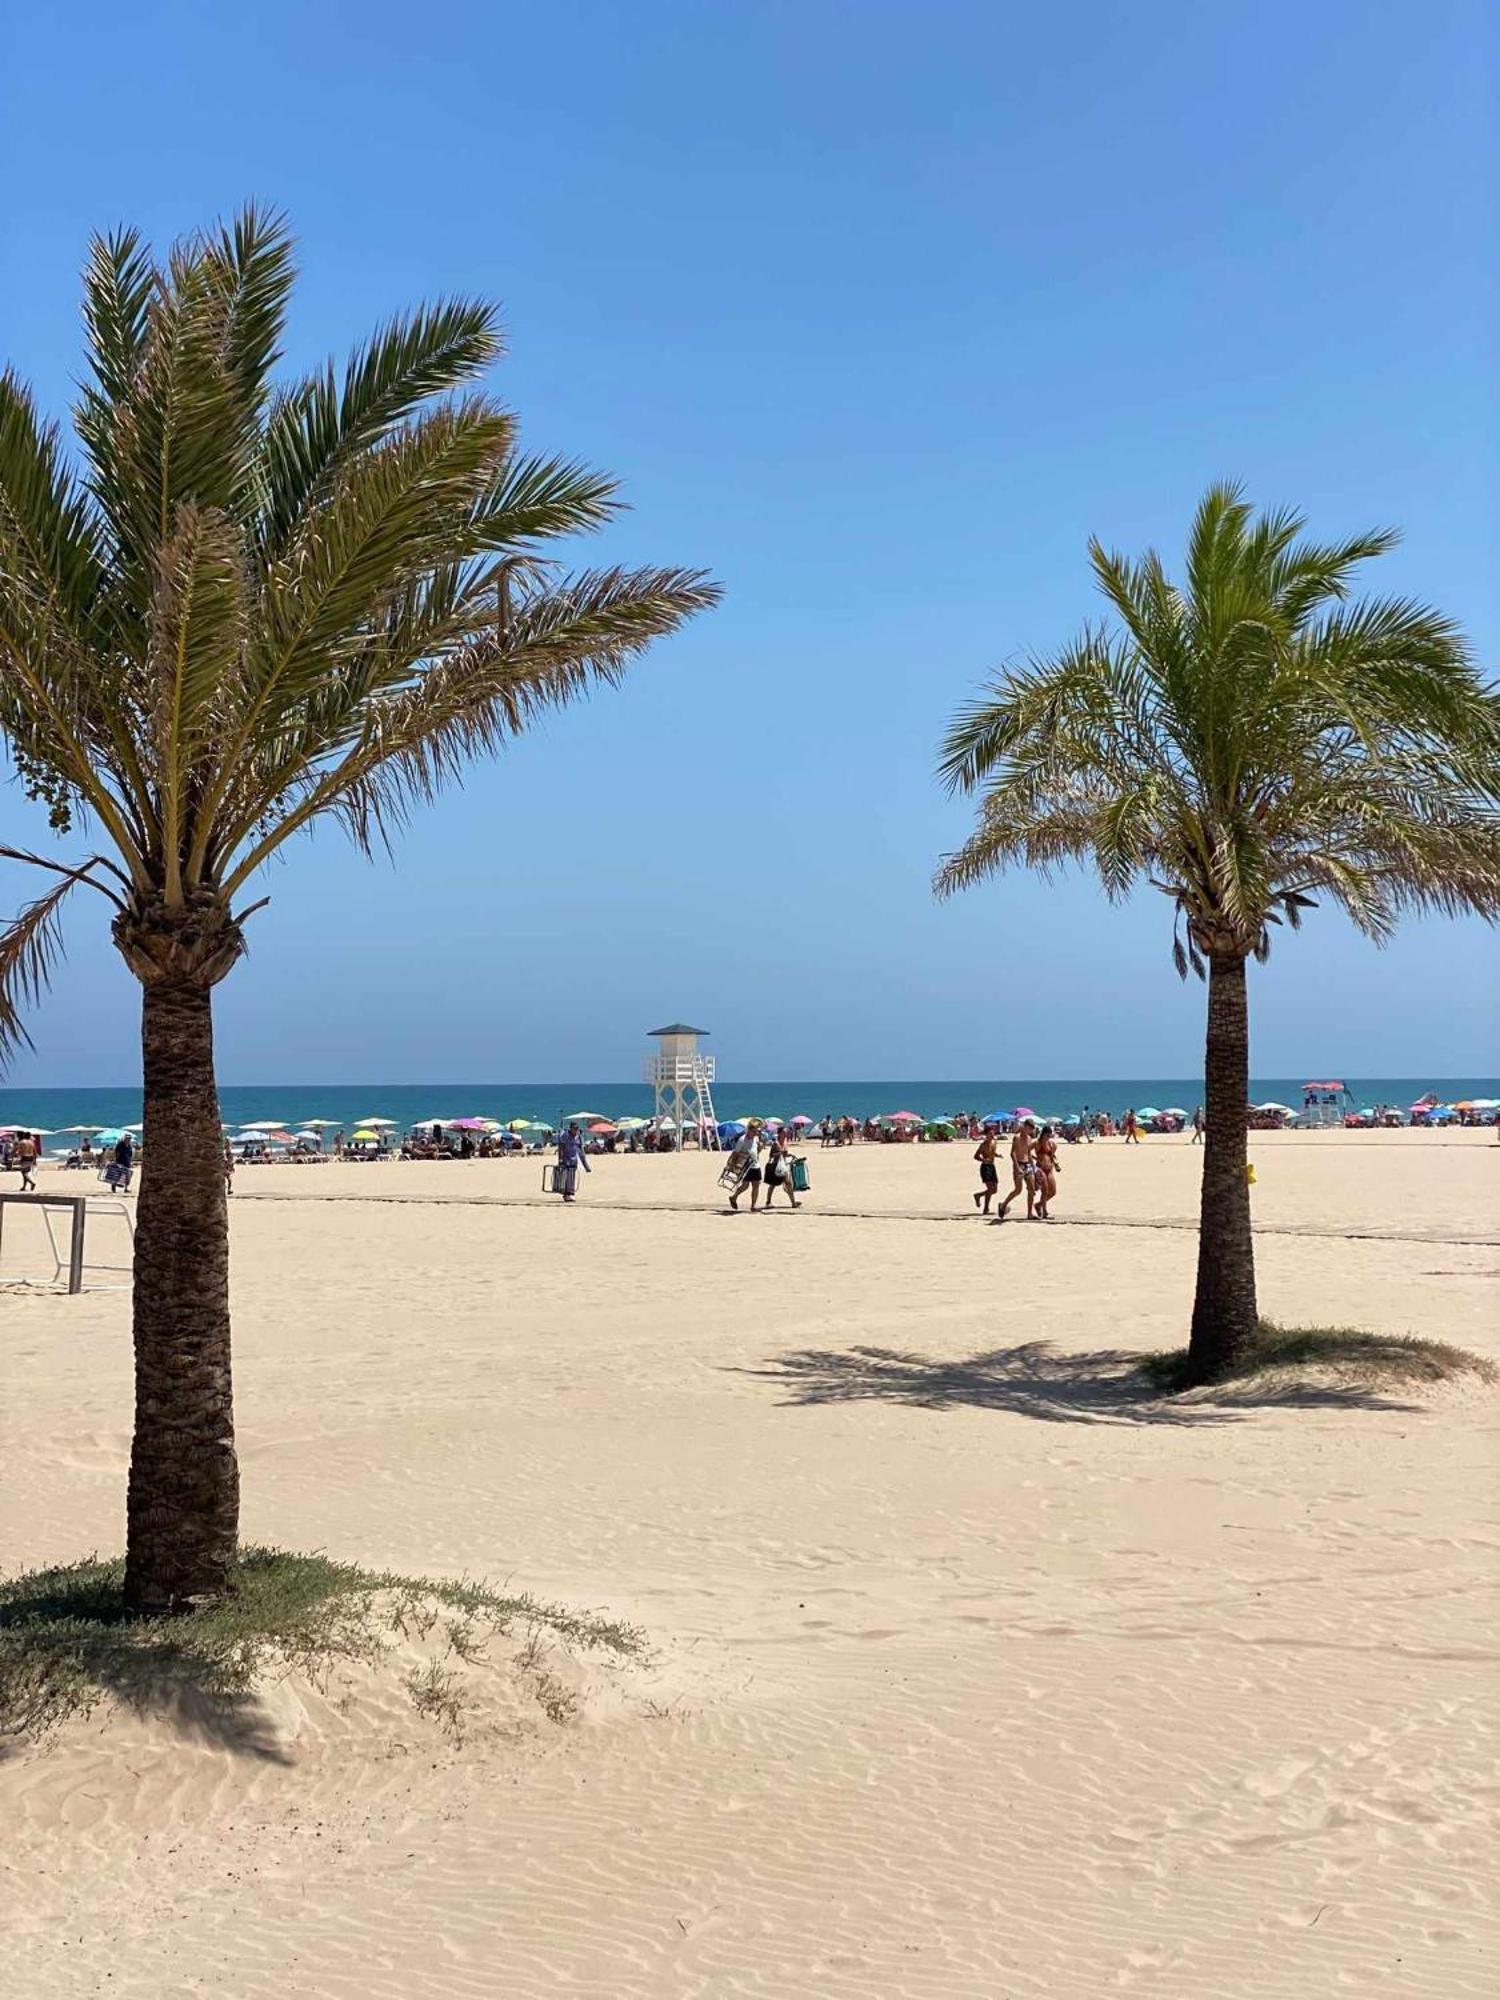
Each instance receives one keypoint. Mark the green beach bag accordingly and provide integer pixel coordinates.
(800, 1182)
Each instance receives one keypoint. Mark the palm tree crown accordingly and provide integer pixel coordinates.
(1245, 741)
(259, 604)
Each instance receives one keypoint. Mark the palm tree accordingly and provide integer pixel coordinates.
(255, 605)
(1245, 741)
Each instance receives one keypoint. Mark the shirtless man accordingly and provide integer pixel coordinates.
(1022, 1169)
(989, 1173)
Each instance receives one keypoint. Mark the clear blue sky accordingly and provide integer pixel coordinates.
(877, 311)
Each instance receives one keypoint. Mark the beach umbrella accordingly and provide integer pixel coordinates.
(84, 1131)
(802, 1119)
(308, 1133)
(251, 1136)
(1175, 1111)
(731, 1125)
(1024, 1111)
(468, 1124)
(602, 1125)
(1475, 1104)
(906, 1118)
(110, 1135)
(320, 1124)
(375, 1121)
(631, 1124)
(580, 1117)
(526, 1125)
(364, 1134)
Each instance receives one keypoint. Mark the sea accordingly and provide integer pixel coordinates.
(289, 1106)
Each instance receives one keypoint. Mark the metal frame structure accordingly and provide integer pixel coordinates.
(82, 1207)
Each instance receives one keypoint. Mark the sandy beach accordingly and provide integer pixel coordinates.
(972, 1675)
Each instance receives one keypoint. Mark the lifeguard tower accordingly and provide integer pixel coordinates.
(682, 1078)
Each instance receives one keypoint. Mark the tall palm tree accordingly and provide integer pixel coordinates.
(251, 605)
(1245, 741)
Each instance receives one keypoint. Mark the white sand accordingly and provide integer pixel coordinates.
(972, 1680)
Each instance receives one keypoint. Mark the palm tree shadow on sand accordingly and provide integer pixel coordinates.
(154, 1677)
(1036, 1379)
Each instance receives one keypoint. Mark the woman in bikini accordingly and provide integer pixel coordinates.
(1044, 1166)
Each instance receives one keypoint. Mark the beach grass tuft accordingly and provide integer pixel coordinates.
(67, 1642)
(1355, 1355)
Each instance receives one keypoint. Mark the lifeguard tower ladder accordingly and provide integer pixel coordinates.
(682, 1078)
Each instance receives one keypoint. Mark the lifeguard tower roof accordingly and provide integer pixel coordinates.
(677, 1028)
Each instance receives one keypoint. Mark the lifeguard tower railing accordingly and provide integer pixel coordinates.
(686, 1070)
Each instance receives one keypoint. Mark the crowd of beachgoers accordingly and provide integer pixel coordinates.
(89, 1147)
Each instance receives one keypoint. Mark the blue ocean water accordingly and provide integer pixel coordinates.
(291, 1105)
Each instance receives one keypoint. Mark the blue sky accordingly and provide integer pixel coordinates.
(877, 311)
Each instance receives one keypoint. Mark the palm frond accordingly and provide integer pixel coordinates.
(29, 947)
(322, 423)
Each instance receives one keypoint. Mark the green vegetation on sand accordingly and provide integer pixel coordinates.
(67, 1641)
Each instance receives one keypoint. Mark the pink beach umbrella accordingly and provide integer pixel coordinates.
(906, 1117)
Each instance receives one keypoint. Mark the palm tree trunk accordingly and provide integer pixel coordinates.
(1224, 1310)
(183, 1505)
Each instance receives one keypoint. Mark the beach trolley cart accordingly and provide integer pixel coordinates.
(800, 1181)
(560, 1180)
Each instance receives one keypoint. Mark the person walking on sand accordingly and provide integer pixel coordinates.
(570, 1157)
(1132, 1129)
(989, 1173)
(778, 1169)
(1198, 1126)
(745, 1161)
(1022, 1168)
(228, 1168)
(1045, 1169)
(23, 1158)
